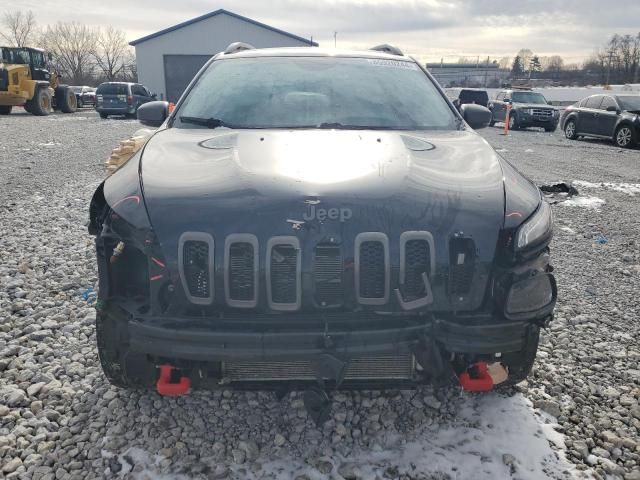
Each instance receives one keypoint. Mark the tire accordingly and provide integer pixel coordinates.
(103, 115)
(26, 107)
(66, 100)
(570, 129)
(40, 104)
(550, 129)
(521, 363)
(492, 122)
(5, 109)
(624, 137)
(513, 122)
(122, 368)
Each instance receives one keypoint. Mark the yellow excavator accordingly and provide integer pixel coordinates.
(27, 81)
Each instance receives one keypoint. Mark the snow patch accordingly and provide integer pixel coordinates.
(628, 188)
(493, 436)
(586, 202)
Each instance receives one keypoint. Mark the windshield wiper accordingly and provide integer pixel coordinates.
(206, 122)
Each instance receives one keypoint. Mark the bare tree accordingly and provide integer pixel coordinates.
(112, 53)
(18, 28)
(72, 46)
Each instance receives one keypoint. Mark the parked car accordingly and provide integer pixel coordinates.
(84, 96)
(614, 117)
(463, 96)
(528, 109)
(318, 219)
(121, 98)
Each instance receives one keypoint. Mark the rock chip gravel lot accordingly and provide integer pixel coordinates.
(578, 415)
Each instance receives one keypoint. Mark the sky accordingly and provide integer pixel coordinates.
(430, 29)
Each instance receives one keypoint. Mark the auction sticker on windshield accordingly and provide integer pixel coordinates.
(393, 64)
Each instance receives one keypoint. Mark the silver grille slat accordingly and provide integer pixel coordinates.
(278, 268)
(199, 290)
(410, 273)
(368, 266)
(384, 366)
(241, 271)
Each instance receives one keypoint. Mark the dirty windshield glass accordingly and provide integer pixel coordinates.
(316, 92)
(529, 97)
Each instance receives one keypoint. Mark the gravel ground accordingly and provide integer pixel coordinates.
(59, 418)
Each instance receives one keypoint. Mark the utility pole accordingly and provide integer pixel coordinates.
(486, 73)
(609, 66)
(335, 39)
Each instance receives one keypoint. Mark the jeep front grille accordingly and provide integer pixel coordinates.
(462, 265)
(383, 367)
(195, 258)
(284, 268)
(372, 268)
(241, 270)
(327, 276)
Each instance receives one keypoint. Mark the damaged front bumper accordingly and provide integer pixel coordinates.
(480, 335)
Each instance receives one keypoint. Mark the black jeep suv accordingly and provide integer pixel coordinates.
(528, 109)
(317, 219)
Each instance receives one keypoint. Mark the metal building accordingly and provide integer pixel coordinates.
(167, 60)
(468, 74)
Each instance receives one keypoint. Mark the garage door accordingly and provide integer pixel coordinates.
(179, 70)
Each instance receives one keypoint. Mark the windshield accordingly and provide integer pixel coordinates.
(529, 97)
(76, 89)
(15, 56)
(631, 103)
(113, 89)
(316, 92)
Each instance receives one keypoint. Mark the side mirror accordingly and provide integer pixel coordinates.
(612, 108)
(153, 114)
(475, 115)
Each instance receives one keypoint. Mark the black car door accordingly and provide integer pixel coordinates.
(498, 107)
(607, 120)
(588, 121)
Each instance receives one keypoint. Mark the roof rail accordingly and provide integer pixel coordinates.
(238, 47)
(390, 49)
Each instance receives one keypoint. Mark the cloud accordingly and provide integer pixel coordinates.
(428, 28)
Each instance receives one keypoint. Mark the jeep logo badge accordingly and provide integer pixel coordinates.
(322, 214)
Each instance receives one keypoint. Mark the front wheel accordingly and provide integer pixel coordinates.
(570, 130)
(121, 367)
(40, 104)
(103, 115)
(513, 122)
(66, 100)
(5, 109)
(521, 362)
(624, 137)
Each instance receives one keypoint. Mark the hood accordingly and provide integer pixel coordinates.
(325, 184)
(535, 105)
(240, 171)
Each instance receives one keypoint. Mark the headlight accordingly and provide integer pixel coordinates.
(556, 113)
(528, 111)
(536, 228)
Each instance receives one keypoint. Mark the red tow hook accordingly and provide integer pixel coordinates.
(169, 388)
(481, 380)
